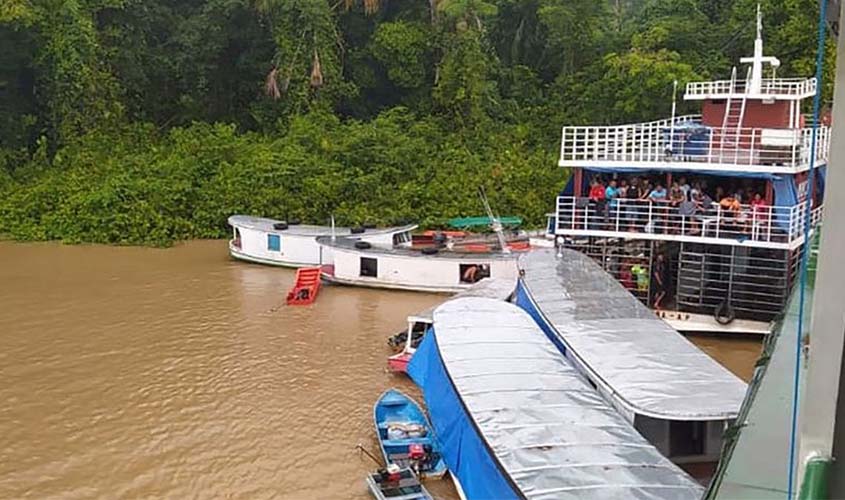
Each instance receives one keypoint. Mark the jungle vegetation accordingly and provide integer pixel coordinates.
(151, 121)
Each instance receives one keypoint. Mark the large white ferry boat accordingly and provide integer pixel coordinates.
(701, 216)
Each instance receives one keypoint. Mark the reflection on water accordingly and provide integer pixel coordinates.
(134, 372)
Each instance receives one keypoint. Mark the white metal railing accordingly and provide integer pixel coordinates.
(769, 86)
(768, 224)
(686, 140)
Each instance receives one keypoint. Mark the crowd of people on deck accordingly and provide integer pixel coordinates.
(655, 207)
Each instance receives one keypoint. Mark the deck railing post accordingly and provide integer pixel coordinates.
(769, 224)
(718, 219)
(618, 203)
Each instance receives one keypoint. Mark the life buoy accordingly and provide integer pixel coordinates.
(724, 313)
(357, 230)
(362, 245)
(280, 226)
(429, 251)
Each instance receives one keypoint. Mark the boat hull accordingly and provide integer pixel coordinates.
(402, 268)
(394, 407)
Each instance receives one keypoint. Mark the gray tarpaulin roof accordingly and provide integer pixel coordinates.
(652, 368)
(550, 431)
(491, 288)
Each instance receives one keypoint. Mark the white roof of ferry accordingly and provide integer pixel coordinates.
(491, 288)
(649, 366)
(549, 431)
(264, 224)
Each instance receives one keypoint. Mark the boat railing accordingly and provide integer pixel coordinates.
(771, 226)
(791, 87)
(688, 142)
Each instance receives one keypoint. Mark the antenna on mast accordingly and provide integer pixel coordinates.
(495, 222)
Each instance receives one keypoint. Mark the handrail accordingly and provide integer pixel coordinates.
(688, 141)
(769, 86)
(768, 224)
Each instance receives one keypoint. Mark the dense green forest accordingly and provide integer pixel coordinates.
(149, 121)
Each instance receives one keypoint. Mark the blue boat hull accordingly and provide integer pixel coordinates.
(394, 407)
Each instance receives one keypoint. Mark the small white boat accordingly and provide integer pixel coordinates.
(405, 268)
(279, 243)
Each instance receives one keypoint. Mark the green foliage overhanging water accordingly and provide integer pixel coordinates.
(147, 122)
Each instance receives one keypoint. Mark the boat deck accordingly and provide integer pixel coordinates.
(757, 465)
(266, 225)
(349, 244)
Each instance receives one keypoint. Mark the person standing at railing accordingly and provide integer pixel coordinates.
(611, 193)
(597, 198)
(760, 211)
(659, 196)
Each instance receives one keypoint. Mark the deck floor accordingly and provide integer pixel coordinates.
(758, 466)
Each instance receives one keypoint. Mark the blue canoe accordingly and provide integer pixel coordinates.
(401, 423)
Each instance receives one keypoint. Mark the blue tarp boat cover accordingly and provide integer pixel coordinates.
(639, 362)
(516, 420)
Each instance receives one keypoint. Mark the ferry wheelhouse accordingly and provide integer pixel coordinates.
(726, 235)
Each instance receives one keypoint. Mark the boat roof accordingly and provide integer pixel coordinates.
(264, 224)
(649, 366)
(463, 222)
(491, 288)
(548, 434)
(349, 244)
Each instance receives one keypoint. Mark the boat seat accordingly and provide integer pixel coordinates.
(406, 442)
(393, 401)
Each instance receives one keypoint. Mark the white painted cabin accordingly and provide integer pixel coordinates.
(406, 269)
(255, 239)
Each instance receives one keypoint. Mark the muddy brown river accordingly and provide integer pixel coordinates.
(135, 372)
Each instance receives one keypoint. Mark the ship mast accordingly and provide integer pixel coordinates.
(755, 86)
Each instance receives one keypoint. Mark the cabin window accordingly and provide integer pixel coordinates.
(274, 243)
(369, 267)
(686, 438)
(472, 273)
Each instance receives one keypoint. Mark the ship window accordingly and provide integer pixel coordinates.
(369, 267)
(686, 438)
(472, 273)
(274, 243)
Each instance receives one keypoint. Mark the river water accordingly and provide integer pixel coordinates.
(130, 372)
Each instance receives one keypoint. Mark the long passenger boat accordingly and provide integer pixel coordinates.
(706, 213)
(516, 420)
(404, 266)
(281, 243)
(673, 393)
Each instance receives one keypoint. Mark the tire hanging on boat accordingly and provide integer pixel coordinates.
(357, 230)
(294, 222)
(280, 226)
(724, 313)
(362, 245)
(429, 251)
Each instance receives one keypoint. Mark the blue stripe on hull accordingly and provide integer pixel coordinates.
(523, 299)
(466, 453)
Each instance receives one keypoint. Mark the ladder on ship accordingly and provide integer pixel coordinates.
(731, 133)
(305, 289)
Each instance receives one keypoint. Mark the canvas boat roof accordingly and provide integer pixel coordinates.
(349, 244)
(266, 225)
(491, 288)
(544, 432)
(650, 367)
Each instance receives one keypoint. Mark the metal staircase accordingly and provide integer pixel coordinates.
(729, 136)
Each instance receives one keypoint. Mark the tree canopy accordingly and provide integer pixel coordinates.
(149, 121)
